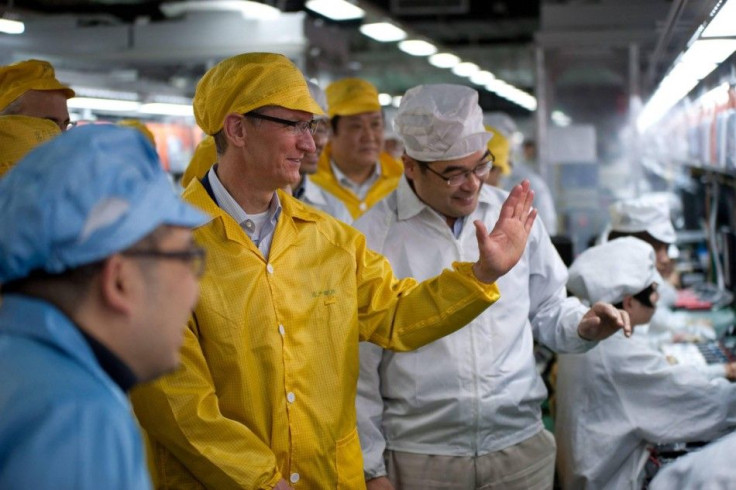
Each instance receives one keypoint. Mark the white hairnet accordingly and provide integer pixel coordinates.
(647, 213)
(441, 122)
(613, 270)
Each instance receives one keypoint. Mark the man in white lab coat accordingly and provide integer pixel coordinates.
(618, 400)
(463, 412)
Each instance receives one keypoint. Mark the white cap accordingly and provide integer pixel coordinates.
(319, 97)
(647, 213)
(502, 122)
(615, 269)
(441, 122)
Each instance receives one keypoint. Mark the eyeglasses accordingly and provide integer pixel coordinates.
(297, 127)
(645, 296)
(456, 180)
(195, 257)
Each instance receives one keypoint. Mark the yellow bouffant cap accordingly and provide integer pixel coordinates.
(18, 78)
(351, 96)
(500, 146)
(19, 135)
(135, 123)
(205, 155)
(246, 82)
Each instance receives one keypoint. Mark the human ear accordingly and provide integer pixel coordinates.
(116, 284)
(234, 129)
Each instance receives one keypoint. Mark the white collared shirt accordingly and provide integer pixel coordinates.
(319, 198)
(360, 190)
(477, 390)
(262, 236)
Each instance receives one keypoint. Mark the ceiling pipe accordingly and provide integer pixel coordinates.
(673, 17)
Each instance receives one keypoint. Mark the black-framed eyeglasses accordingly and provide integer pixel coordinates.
(297, 127)
(456, 180)
(645, 296)
(195, 257)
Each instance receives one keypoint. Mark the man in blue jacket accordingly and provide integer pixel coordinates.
(99, 274)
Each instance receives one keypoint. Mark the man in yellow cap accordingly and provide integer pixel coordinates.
(353, 166)
(30, 88)
(265, 397)
(500, 148)
(21, 134)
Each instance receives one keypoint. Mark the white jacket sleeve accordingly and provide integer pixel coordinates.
(669, 403)
(369, 405)
(553, 316)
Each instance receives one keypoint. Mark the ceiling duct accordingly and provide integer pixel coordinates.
(429, 7)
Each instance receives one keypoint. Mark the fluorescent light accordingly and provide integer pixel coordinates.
(12, 26)
(396, 100)
(417, 47)
(248, 9)
(384, 99)
(701, 58)
(465, 69)
(724, 22)
(336, 9)
(560, 118)
(112, 105)
(443, 60)
(167, 109)
(383, 32)
(482, 77)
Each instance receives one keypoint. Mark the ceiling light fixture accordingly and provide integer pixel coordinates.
(384, 99)
(444, 60)
(465, 69)
(167, 109)
(383, 32)
(483, 77)
(723, 23)
(247, 8)
(335, 9)
(417, 47)
(10, 26)
(103, 105)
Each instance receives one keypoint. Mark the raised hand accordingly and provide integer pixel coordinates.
(602, 321)
(501, 249)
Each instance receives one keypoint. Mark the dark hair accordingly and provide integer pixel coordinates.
(641, 235)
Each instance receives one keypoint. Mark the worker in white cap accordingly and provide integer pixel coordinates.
(710, 468)
(615, 402)
(306, 190)
(463, 412)
(647, 218)
(30, 88)
(99, 274)
(353, 165)
(265, 397)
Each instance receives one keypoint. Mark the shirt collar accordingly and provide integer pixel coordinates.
(345, 181)
(228, 203)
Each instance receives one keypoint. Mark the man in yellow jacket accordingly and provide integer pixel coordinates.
(265, 397)
(353, 166)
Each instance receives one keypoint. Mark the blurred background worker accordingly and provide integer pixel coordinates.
(500, 149)
(99, 274)
(615, 402)
(710, 468)
(265, 397)
(204, 156)
(19, 135)
(464, 411)
(140, 126)
(354, 166)
(306, 190)
(30, 88)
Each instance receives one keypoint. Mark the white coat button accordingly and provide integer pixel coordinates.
(363, 206)
(282, 330)
(294, 477)
(269, 268)
(291, 397)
